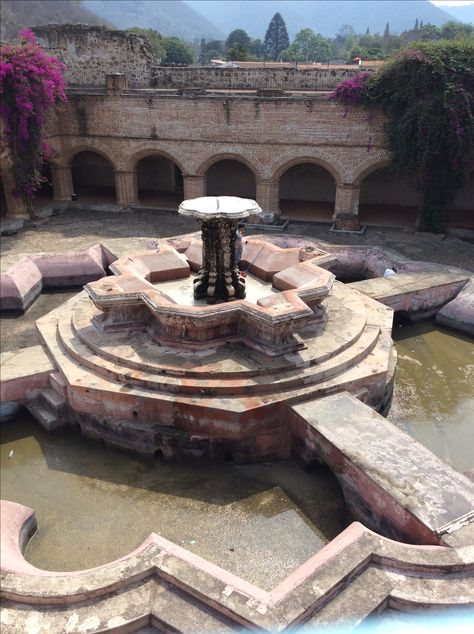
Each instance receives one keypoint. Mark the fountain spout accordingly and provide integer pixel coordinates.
(219, 278)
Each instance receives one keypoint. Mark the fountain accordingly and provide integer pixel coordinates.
(178, 356)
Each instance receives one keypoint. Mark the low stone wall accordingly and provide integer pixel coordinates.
(249, 78)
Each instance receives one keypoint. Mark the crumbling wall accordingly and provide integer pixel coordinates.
(92, 52)
(249, 78)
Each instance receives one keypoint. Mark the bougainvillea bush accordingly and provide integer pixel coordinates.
(31, 82)
(427, 94)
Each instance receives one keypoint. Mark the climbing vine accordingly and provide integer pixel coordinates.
(31, 82)
(427, 94)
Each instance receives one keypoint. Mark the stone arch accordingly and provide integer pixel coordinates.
(307, 191)
(369, 165)
(159, 179)
(334, 167)
(70, 154)
(387, 198)
(149, 151)
(93, 176)
(230, 177)
(228, 156)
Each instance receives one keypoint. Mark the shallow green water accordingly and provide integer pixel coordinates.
(434, 393)
(94, 504)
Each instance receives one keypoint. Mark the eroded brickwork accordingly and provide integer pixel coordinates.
(91, 52)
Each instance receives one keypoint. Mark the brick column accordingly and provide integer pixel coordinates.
(126, 189)
(62, 182)
(267, 195)
(193, 186)
(347, 199)
(15, 207)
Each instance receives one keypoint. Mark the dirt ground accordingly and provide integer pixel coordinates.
(76, 230)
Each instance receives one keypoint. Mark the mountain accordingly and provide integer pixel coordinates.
(17, 14)
(323, 16)
(168, 17)
(463, 14)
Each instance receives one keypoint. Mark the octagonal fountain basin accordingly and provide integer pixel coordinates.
(94, 504)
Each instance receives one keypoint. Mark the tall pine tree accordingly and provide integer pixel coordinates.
(276, 37)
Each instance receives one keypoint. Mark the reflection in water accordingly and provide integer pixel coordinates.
(434, 391)
(95, 504)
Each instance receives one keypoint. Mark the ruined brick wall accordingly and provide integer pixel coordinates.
(92, 52)
(249, 78)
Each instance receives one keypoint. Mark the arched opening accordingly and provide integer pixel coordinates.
(160, 182)
(307, 192)
(93, 178)
(462, 216)
(230, 178)
(388, 200)
(45, 194)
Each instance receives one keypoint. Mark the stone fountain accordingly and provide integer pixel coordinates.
(156, 360)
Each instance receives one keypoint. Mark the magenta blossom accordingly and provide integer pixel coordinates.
(31, 82)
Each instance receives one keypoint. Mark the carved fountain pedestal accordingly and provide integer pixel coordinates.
(219, 277)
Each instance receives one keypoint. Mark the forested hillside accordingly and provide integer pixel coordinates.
(17, 14)
(168, 17)
(323, 16)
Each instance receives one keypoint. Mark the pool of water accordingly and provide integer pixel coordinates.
(434, 391)
(94, 504)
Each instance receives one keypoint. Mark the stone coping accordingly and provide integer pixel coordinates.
(391, 572)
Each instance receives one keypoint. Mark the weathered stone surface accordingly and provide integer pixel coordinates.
(22, 371)
(414, 293)
(390, 481)
(165, 585)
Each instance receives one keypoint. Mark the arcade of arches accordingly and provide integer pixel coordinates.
(304, 190)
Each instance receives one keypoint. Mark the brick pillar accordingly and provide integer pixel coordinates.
(126, 189)
(267, 195)
(193, 186)
(62, 182)
(346, 208)
(15, 207)
(347, 199)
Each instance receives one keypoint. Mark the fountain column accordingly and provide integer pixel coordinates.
(219, 277)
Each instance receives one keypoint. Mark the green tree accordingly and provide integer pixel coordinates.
(177, 52)
(210, 50)
(454, 30)
(427, 95)
(417, 25)
(239, 36)
(429, 32)
(307, 46)
(276, 37)
(386, 33)
(237, 53)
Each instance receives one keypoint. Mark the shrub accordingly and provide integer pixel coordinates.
(31, 82)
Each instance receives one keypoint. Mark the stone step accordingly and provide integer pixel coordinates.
(53, 399)
(145, 355)
(292, 379)
(44, 415)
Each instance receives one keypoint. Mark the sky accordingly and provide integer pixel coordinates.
(451, 3)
